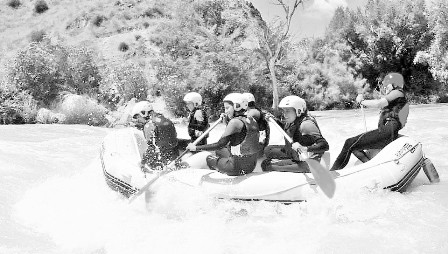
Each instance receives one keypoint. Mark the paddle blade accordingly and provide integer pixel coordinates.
(322, 177)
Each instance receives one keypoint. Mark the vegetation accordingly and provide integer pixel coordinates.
(168, 48)
(40, 6)
(14, 3)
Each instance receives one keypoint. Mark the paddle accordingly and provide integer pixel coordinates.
(322, 176)
(364, 117)
(168, 167)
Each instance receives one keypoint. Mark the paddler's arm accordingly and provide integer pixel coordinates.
(380, 103)
(310, 131)
(234, 126)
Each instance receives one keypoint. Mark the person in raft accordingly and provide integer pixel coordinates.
(197, 120)
(160, 133)
(237, 149)
(259, 116)
(393, 116)
(306, 136)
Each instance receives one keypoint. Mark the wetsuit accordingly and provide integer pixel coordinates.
(240, 157)
(161, 136)
(197, 122)
(306, 132)
(393, 118)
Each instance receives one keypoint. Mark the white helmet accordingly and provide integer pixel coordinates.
(141, 108)
(396, 79)
(250, 97)
(238, 101)
(295, 102)
(194, 97)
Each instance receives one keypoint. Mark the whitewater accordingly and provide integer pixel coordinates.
(53, 199)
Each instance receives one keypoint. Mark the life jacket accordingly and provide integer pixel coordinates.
(397, 109)
(164, 132)
(193, 122)
(245, 143)
(293, 130)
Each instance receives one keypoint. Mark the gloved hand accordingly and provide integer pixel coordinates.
(359, 98)
(268, 115)
(296, 146)
(191, 147)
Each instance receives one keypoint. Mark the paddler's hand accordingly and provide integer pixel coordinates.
(299, 148)
(359, 98)
(191, 147)
(268, 115)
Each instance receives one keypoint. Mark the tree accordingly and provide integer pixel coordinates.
(273, 40)
(436, 56)
(201, 49)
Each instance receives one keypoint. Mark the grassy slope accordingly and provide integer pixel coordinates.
(72, 21)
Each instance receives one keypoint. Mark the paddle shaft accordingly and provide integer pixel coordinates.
(364, 117)
(203, 135)
(322, 176)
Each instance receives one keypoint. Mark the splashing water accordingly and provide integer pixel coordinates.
(54, 200)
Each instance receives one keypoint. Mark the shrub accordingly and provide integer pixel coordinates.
(46, 70)
(17, 107)
(122, 83)
(40, 6)
(123, 46)
(98, 20)
(82, 110)
(37, 36)
(47, 116)
(153, 13)
(14, 4)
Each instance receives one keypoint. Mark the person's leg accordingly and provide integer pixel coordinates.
(361, 155)
(223, 165)
(359, 142)
(275, 152)
(223, 152)
(245, 165)
(287, 165)
(375, 139)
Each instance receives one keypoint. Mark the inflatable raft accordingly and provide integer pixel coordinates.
(392, 168)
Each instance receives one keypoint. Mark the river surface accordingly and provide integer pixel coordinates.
(53, 199)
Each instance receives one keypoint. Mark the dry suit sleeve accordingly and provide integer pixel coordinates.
(222, 142)
(320, 146)
(233, 126)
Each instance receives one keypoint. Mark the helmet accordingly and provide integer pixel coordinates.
(250, 97)
(238, 101)
(141, 108)
(194, 97)
(295, 102)
(396, 79)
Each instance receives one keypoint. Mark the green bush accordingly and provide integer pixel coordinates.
(37, 36)
(82, 110)
(17, 107)
(14, 4)
(121, 83)
(46, 70)
(98, 20)
(123, 47)
(40, 6)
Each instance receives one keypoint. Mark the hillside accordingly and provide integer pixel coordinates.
(102, 25)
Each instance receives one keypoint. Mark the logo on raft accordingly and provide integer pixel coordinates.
(404, 150)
